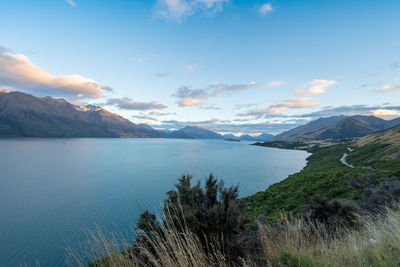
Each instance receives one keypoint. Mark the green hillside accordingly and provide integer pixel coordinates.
(379, 151)
(326, 176)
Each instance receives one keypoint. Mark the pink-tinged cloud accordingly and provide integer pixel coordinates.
(388, 88)
(314, 87)
(385, 113)
(190, 102)
(19, 73)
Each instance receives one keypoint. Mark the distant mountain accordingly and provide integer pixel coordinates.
(229, 136)
(336, 128)
(193, 132)
(24, 115)
(264, 137)
(261, 137)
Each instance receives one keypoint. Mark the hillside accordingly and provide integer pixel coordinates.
(336, 128)
(380, 151)
(325, 175)
(24, 115)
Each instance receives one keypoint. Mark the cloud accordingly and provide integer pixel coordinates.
(144, 117)
(293, 103)
(177, 10)
(188, 97)
(385, 113)
(19, 73)
(243, 106)
(350, 110)
(221, 87)
(314, 87)
(388, 88)
(163, 74)
(71, 2)
(138, 60)
(188, 68)
(160, 114)
(130, 104)
(265, 9)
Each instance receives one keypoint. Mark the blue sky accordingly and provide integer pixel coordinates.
(227, 65)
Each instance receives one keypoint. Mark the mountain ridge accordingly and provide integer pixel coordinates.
(24, 115)
(337, 128)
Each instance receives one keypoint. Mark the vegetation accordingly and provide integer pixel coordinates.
(297, 243)
(379, 151)
(291, 242)
(326, 215)
(324, 175)
(208, 221)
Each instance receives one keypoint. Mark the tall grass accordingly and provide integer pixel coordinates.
(291, 243)
(297, 243)
(167, 246)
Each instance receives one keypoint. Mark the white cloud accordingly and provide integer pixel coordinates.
(265, 9)
(293, 103)
(71, 2)
(388, 88)
(19, 73)
(179, 9)
(314, 87)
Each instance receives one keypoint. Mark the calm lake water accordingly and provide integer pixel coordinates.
(53, 190)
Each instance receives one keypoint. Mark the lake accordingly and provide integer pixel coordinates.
(53, 190)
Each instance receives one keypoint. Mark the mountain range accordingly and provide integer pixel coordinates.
(24, 115)
(336, 128)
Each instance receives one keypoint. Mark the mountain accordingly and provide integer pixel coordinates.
(24, 115)
(193, 132)
(336, 128)
(264, 137)
(247, 137)
(229, 136)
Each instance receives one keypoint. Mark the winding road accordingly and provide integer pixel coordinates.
(343, 158)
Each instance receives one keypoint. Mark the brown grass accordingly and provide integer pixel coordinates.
(291, 243)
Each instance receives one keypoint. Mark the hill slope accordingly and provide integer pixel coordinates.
(336, 128)
(379, 151)
(24, 115)
(325, 175)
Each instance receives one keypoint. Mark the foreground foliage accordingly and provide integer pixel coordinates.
(291, 242)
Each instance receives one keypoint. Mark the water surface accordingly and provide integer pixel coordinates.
(53, 190)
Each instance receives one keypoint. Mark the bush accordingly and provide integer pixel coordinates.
(213, 213)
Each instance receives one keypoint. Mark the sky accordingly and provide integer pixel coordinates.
(231, 66)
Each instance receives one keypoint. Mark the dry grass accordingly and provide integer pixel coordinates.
(299, 244)
(168, 246)
(292, 243)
